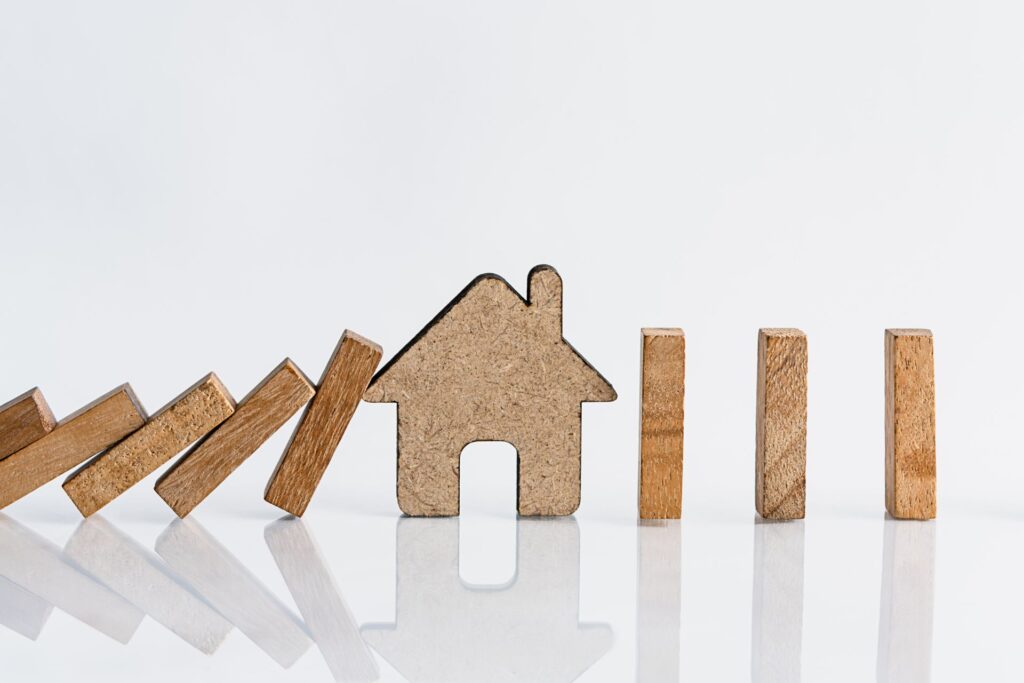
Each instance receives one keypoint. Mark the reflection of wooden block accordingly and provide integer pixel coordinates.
(662, 386)
(323, 424)
(258, 416)
(909, 424)
(24, 420)
(781, 423)
(78, 437)
(191, 415)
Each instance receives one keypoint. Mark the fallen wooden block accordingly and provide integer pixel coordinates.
(909, 424)
(75, 439)
(662, 387)
(23, 420)
(780, 484)
(188, 417)
(345, 378)
(196, 474)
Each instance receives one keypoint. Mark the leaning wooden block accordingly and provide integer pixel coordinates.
(75, 439)
(23, 420)
(662, 387)
(188, 417)
(192, 478)
(323, 424)
(781, 423)
(909, 424)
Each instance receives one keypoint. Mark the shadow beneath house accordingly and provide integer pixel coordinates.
(908, 598)
(527, 629)
(658, 600)
(778, 602)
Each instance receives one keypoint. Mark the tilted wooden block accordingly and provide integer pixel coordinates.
(188, 417)
(491, 366)
(75, 439)
(780, 484)
(23, 420)
(662, 387)
(909, 424)
(193, 477)
(300, 469)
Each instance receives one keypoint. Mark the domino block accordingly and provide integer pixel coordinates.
(23, 420)
(345, 378)
(192, 478)
(909, 424)
(188, 417)
(662, 388)
(75, 439)
(781, 444)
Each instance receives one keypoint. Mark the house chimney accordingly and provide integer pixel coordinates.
(544, 293)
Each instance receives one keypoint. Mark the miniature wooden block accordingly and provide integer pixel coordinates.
(909, 424)
(23, 420)
(193, 477)
(78, 437)
(188, 417)
(781, 423)
(491, 366)
(305, 460)
(662, 387)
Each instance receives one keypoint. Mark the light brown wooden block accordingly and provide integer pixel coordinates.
(781, 466)
(188, 417)
(491, 366)
(76, 438)
(275, 399)
(662, 388)
(909, 424)
(23, 420)
(300, 469)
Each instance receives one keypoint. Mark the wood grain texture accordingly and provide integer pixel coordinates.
(188, 417)
(23, 420)
(662, 389)
(305, 460)
(781, 444)
(75, 439)
(268, 406)
(491, 366)
(909, 424)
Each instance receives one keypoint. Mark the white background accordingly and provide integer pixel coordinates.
(198, 186)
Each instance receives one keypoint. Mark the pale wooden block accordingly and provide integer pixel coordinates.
(75, 439)
(142, 579)
(662, 388)
(327, 615)
(23, 420)
(305, 460)
(781, 448)
(22, 611)
(491, 366)
(908, 602)
(909, 424)
(37, 565)
(233, 590)
(194, 477)
(658, 600)
(778, 604)
(188, 417)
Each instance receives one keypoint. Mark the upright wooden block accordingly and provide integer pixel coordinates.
(192, 478)
(75, 439)
(781, 423)
(345, 378)
(909, 424)
(188, 417)
(662, 380)
(23, 420)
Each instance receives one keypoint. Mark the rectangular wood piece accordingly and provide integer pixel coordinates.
(909, 424)
(196, 474)
(188, 417)
(662, 389)
(781, 442)
(345, 378)
(75, 439)
(23, 420)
